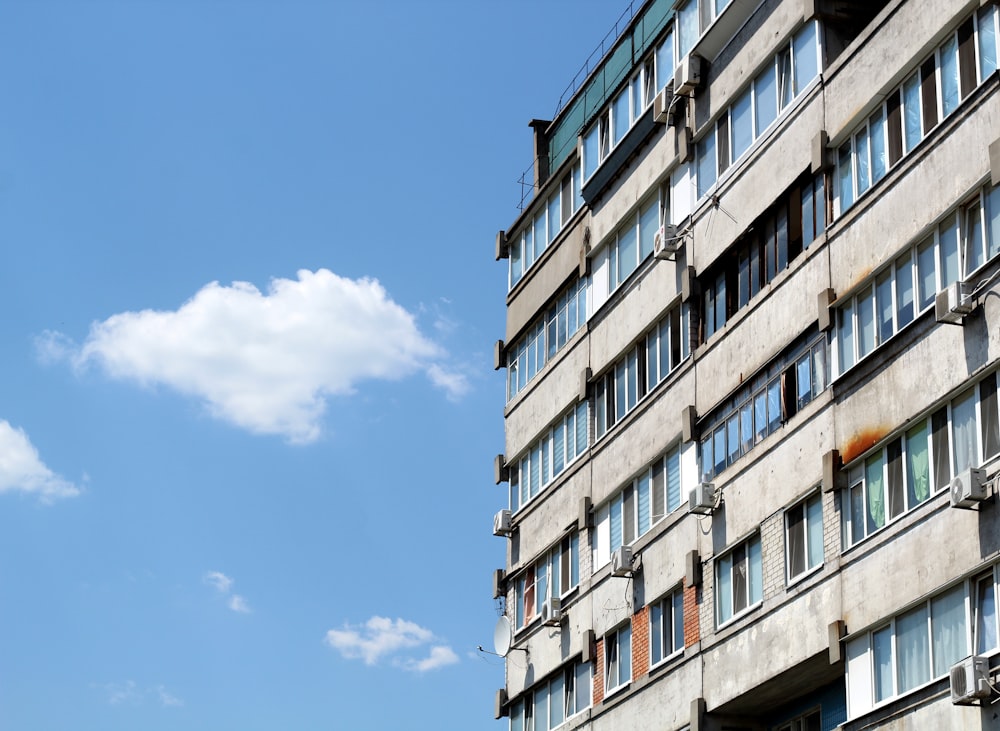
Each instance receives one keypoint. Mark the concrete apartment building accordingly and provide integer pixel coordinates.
(751, 349)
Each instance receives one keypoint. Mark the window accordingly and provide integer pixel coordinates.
(920, 644)
(921, 461)
(806, 722)
(617, 658)
(739, 580)
(554, 701)
(666, 627)
(931, 93)
(643, 366)
(544, 460)
(804, 536)
(768, 247)
(553, 575)
(542, 229)
(632, 243)
(784, 76)
(885, 304)
(546, 336)
(760, 407)
(644, 502)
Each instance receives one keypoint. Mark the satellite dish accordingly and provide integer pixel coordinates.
(502, 636)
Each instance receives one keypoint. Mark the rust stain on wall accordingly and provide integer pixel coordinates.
(862, 441)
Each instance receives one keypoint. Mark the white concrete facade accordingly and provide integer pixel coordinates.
(791, 354)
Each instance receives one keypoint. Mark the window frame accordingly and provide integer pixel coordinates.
(746, 551)
(809, 566)
(618, 639)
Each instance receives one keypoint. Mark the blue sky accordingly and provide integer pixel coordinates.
(248, 411)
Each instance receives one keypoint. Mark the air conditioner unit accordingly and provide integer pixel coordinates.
(969, 680)
(501, 523)
(953, 303)
(703, 499)
(666, 242)
(551, 611)
(968, 488)
(688, 74)
(661, 106)
(621, 561)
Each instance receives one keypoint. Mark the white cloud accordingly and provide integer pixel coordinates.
(439, 657)
(129, 693)
(381, 637)
(266, 362)
(224, 585)
(219, 581)
(238, 604)
(22, 470)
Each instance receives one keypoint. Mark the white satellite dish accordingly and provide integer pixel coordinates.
(502, 636)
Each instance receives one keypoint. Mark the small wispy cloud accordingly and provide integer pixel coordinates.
(224, 585)
(268, 362)
(394, 639)
(130, 693)
(22, 470)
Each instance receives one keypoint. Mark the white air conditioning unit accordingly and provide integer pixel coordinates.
(551, 611)
(969, 680)
(968, 488)
(688, 74)
(501, 523)
(667, 242)
(953, 303)
(621, 561)
(703, 499)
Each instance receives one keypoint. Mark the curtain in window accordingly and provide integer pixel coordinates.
(913, 660)
(948, 630)
(992, 200)
(963, 421)
(876, 494)
(917, 466)
(988, 414)
(949, 75)
(882, 658)
(796, 542)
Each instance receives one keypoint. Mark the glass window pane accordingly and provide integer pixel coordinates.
(706, 163)
(805, 49)
(649, 221)
(912, 650)
(949, 74)
(876, 493)
(765, 98)
(814, 530)
(964, 432)
(725, 588)
(861, 169)
(911, 112)
(866, 323)
(986, 615)
(665, 61)
(992, 200)
(940, 449)
(884, 305)
(974, 245)
(620, 115)
(918, 478)
(882, 657)
(948, 242)
(949, 630)
(876, 126)
(673, 481)
(687, 27)
(741, 126)
(796, 538)
(987, 43)
(894, 476)
(988, 415)
(846, 177)
(926, 273)
(904, 290)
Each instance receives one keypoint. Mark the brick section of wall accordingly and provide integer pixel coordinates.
(831, 524)
(772, 544)
(599, 672)
(640, 643)
(692, 625)
(706, 597)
